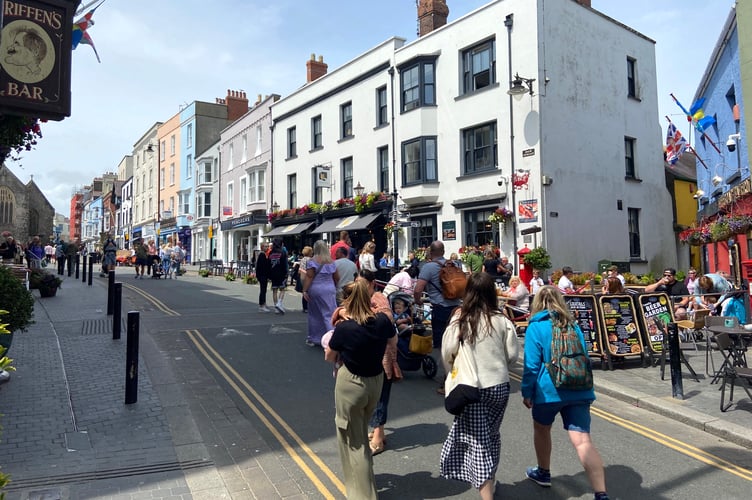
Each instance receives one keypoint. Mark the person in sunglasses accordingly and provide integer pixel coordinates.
(677, 290)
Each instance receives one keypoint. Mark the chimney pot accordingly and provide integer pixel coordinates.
(432, 14)
(315, 69)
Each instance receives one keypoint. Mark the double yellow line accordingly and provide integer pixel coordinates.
(668, 441)
(280, 429)
(157, 303)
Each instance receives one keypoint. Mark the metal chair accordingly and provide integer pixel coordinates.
(691, 327)
(710, 343)
(730, 369)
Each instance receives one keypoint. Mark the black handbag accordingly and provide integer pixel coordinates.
(461, 396)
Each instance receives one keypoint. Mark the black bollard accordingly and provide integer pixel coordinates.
(677, 386)
(131, 359)
(116, 313)
(83, 271)
(91, 270)
(78, 260)
(110, 293)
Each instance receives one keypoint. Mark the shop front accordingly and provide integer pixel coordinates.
(240, 236)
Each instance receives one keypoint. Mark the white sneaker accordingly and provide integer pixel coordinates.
(264, 309)
(279, 307)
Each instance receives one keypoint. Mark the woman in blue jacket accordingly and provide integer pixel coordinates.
(546, 401)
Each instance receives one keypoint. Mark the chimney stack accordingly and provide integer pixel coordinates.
(315, 69)
(237, 104)
(432, 14)
(584, 3)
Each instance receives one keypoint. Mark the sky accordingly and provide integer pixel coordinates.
(159, 55)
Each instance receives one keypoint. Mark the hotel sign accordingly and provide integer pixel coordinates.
(35, 58)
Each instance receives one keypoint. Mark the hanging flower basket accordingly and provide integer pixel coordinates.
(500, 216)
(391, 227)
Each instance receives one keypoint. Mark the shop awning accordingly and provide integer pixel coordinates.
(352, 223)
(290, 229)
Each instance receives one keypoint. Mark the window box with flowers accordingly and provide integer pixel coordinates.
(357, 205)
(501, 215)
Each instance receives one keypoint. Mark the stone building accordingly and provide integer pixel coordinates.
(24, 210)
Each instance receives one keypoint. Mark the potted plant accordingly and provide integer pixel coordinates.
(251, 279)
(5, 361)
(18, 301)
(204, 273)
(229, 276)
(49, 284)
(538, 258)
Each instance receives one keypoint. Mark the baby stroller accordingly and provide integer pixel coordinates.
(156, 269)
(408, 360)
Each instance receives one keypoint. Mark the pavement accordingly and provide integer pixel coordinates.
(68, 434)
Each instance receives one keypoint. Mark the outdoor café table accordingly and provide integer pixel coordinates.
(737, 353)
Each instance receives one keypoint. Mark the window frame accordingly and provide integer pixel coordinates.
(346, 169)
(292, 142)
(422, 98)
(470, 73)
(633, 231)
(632, 77)
(630, 167)
(418, 236)
(345, 120)
(243, 191)
(382, 107)
(471, 219)
(382, 161)
(469, 154)
(422, 161)
(317, 135)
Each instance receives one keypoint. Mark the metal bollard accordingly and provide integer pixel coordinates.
(78, 261)
(131, 359)
(116, 313)
(110, 292)
(83, 271)
(677, 386)
(91, 270)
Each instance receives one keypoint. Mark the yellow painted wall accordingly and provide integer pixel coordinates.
(686, 214)
(169, 129)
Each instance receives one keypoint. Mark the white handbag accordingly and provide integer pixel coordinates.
(461, 384)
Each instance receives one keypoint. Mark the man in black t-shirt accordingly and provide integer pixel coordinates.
(677, 290)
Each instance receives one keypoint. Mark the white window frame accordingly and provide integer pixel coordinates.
(243, 192)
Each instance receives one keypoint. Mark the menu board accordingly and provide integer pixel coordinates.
(585, 313)
(657, 312)
(620, 324)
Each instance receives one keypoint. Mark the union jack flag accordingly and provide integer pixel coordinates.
(675, 144)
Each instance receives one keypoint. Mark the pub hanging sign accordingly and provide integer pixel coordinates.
(35, 58)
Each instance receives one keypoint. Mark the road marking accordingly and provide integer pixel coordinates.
(667, 441)
(157, 303)
(210, 354)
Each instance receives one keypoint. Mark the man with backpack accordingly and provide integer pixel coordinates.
(430, 282)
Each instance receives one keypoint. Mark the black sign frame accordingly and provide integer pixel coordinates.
(621, 328)
(654, 331)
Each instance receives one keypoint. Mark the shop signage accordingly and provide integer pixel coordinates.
(736, 192)
(35, 56)
(245, 220)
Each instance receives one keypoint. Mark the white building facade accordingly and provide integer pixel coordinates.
(582, 138)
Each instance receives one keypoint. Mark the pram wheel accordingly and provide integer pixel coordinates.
(429, 367)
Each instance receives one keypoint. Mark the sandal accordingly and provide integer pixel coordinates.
(376, 449)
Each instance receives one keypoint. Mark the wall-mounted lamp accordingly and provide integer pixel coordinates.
(359, 189)
(546, 180)
(275, 207)
(699, 194)
(717, 179)
(521, 86)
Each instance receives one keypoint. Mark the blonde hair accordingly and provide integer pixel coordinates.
(369, 247)
(307, 251)
(321, 250)
(358, 303)
(549, 298)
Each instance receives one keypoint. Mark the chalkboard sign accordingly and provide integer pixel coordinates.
(620, 322)
(657, 312)
(585, 313)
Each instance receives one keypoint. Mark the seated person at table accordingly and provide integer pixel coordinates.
(677, 290)
(612, 285)
(518, 296)
(734, 306)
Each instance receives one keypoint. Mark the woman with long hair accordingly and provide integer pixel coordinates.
(471, 451)
(549, 311)
(320, 290)
(361, 342)
(366, 259)
(612, 285)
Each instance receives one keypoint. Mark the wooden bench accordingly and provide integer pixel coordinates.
(20, 272)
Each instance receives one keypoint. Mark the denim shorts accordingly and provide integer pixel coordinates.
(574, 414)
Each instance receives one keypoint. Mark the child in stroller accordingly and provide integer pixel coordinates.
(156, 268)
(408, 323)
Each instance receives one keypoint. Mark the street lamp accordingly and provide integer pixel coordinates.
(521, 86)
(275, 207)
(359, 189)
